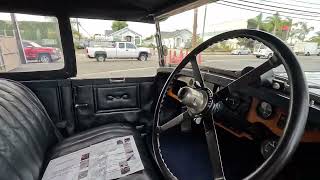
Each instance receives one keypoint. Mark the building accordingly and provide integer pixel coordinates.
(176, 39)
(125, 34)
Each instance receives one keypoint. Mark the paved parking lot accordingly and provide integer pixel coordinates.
(90, 68)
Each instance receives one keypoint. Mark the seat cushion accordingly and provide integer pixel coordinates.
(26, 132)
(103, 133)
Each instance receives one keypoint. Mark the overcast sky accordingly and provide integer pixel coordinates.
(217, 15)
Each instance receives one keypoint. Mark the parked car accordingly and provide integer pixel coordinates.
(306, 48)
(262, 51)
(34, 51)
(241, 51)
(117, 50)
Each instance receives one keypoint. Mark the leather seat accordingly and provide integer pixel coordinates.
(29, 139)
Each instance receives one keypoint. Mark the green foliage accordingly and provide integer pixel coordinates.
(316, 38)
(302, 30)
(149, 38)
(255, 23)
(76, 35)
(117, 25)
(6, 28)
(248, 43)
(33, 30)
(220, 47)
(274, 24)
(188, 44)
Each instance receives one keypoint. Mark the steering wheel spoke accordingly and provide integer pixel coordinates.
(250, 77)
(175, 121)
(196, 71)
(213, 147)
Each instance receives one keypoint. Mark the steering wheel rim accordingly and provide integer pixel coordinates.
(298, 106)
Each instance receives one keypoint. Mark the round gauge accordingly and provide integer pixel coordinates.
(267, 147)
(264, 110)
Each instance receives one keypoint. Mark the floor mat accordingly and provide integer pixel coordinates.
(187, 156)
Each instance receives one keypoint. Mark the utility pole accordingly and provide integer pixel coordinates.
(204, 20)
(16, 32)
(195, 25)
(78, 29)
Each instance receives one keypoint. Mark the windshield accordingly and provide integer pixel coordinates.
(295, 22)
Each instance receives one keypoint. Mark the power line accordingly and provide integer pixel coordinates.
(290, 9)
(271, 10)
(245, 8)
(306, 2)
(290, 4)
(84, 29)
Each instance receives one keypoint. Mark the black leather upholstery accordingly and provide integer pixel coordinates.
(29, 139)
(26, 132)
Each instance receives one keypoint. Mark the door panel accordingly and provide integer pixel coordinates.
(116, 98)
(56, 96)
(100, 101)
(77, 105)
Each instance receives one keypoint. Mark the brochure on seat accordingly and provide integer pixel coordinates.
(109, 159)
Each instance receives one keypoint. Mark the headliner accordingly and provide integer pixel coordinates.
(129, 10)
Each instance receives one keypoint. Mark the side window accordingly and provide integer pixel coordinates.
(135, 54)
(19, 31)
(121, 45)
(130, 46)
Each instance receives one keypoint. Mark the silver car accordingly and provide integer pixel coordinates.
(242, 51)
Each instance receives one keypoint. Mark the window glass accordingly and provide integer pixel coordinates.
(132, 51)
(296, 23)
(121, 45)
(130, 46)
(29, 43)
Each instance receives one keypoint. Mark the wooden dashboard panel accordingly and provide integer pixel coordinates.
(272, 123)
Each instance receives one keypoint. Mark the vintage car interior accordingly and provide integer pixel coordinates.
(188, 123)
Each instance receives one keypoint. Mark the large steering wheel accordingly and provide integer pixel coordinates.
(201, 102)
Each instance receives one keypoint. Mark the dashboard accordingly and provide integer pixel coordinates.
(256, 112)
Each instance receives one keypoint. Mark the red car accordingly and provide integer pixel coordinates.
(34, 51)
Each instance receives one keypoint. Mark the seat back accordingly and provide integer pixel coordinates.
(26, 132)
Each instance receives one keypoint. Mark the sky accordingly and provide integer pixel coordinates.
(218, 15)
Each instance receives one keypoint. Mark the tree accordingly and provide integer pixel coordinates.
(303, 30)
(316, 38)
(149, 38)
(117, 25)
(273, 23)
(244, 42)
(75, 29)
(255, 23)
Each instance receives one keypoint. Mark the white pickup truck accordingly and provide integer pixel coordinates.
(262, 51)
(121, 50)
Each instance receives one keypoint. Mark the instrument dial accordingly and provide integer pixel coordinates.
(264, 110)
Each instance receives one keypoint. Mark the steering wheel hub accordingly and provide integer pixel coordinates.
(197, 100)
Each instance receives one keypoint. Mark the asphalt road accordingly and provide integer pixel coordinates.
(90, 68)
